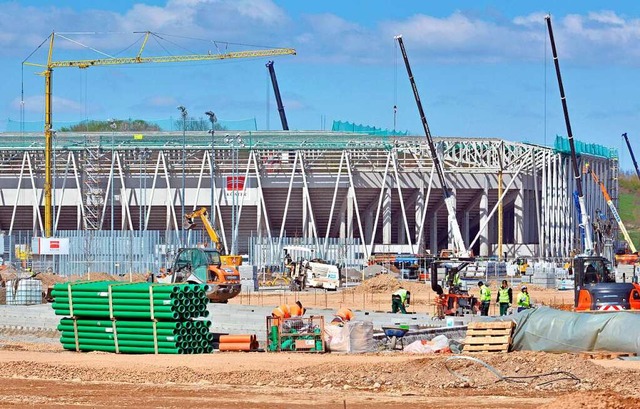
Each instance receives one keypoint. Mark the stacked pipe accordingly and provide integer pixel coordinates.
(133, 317)
(238, 343)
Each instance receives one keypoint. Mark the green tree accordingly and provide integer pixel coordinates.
(134, 125)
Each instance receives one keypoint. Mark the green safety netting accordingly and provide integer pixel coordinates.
(133, 125)
(339, 126)
(562, 145)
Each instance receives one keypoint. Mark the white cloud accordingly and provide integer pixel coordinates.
(35, 104)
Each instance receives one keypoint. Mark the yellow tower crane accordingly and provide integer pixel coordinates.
(138, 59)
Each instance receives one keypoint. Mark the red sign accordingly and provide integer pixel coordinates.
(235, 182)
(54, 244)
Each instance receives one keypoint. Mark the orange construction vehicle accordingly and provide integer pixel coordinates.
(208, 265)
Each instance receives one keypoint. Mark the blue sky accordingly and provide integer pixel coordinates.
(483, 68)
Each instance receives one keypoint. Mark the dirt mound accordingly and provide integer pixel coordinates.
(49, 280)
(382, 283)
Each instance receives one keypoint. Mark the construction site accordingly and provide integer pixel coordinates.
(334, 269)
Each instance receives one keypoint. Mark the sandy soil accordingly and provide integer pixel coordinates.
(375, 294)
(36, 371)
(42, 374)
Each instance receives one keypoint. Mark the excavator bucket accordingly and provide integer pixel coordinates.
(188, 223)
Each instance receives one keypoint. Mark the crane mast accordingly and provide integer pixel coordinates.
(633, 157)
(138, 59)
(448, 196)
(276, 91)
(585, 222)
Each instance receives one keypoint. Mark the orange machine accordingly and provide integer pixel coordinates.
(596, 288)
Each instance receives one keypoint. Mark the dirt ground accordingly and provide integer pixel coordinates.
(36, 371)
(40, 373)
(375, 294)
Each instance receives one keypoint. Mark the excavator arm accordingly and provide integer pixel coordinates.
(203, 215)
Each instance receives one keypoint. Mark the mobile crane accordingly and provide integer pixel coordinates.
(208, 265)
(276, 91)
(460, 248)
(595, 282)
(457, 301)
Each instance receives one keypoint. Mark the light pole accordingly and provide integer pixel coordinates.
(213, 119)
(113, 125)
(235, 143)
(183, 113)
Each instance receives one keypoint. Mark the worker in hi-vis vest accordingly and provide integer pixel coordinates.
(505, 297)
(524, 300)
(399, 300)
(485, 298)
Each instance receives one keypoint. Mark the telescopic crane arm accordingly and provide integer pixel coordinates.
(633, 157)
(448, 196)
(276, 91)
(585, 222)
(613, 209)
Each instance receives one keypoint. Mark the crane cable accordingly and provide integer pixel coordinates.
(516, 379)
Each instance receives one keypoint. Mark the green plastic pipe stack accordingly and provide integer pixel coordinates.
(133, 317)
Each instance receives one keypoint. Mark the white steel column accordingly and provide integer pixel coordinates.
(333, 205)
(355, 203)
(383, 188)
(418, 208)
(263, 205)
(518, 216)
(405, 223)
(484, 216)
(286, 205)
(386, 216)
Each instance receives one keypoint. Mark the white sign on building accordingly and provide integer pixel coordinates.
(50, 245)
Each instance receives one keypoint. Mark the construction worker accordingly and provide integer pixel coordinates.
(343, 316)
(524, 300)
(288, 311)
(505, 297)
(485, 298)
(399, 299)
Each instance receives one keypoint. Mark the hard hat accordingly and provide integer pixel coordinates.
(524, 287)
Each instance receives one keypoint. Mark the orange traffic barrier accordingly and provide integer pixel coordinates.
(237, 338)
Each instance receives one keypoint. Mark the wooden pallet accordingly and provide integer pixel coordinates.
(488, 337)
(605, 354)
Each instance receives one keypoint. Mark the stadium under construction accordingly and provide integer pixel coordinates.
(345, 195)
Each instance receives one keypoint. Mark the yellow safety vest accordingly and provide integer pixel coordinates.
(524, 300)
(503, 295)
(485, 293)
(403, 295)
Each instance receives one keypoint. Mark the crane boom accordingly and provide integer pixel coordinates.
(633, 157)
(448, 196)
(585, 222)
(138, 59)
(613, 209)
(276, 91)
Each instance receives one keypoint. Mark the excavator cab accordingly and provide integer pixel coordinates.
(596, 287)
(197, 265)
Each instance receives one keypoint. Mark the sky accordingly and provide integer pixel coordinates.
(483, 68)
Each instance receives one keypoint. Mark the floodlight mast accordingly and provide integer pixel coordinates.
(138, 59)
